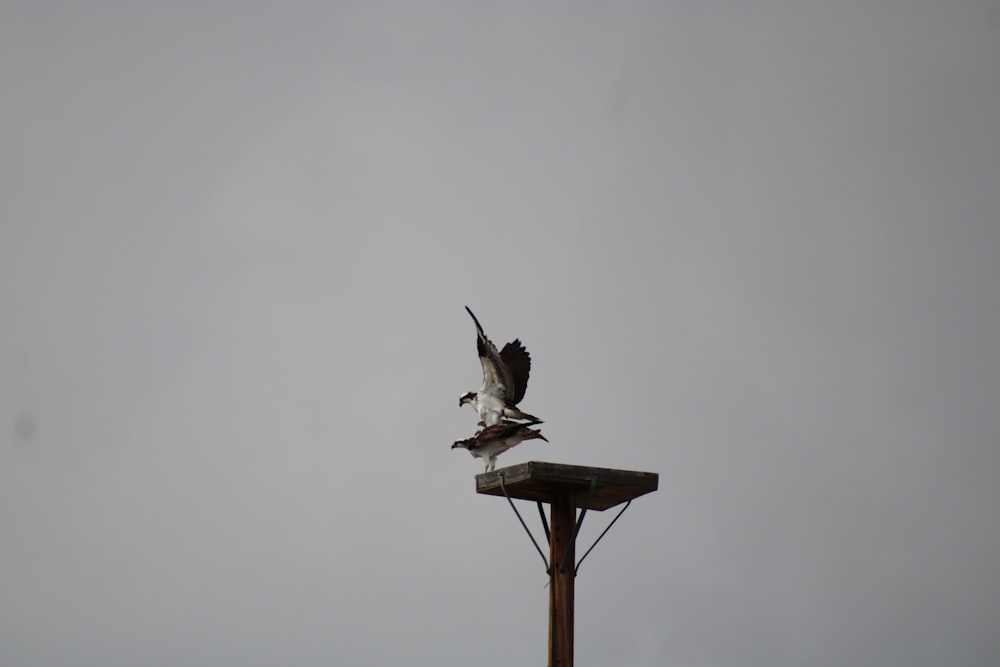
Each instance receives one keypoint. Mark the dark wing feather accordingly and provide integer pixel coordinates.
(518, 362)
(496, 375)
(479, 328)
(502, 430)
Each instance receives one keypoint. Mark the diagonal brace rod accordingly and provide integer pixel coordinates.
(525, 526)
(579, 522)
(545, 522)
(603, 533)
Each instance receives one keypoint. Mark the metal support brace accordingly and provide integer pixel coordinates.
(580, 562)
(545, 522)
(525, 526)
(579, 523)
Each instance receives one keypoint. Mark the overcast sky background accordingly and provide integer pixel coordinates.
(753, 247)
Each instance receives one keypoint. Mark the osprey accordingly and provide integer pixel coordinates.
(492, 441)
(505, 379)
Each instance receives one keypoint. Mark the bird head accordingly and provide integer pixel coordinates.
(467, 397)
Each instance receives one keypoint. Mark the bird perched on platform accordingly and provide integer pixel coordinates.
(492, 441)
(505, 379)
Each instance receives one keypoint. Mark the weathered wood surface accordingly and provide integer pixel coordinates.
(540, 481)
(561, 584)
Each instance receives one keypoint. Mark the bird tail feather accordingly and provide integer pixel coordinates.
(514, 413)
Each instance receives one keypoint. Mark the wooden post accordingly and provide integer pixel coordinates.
(563, 521)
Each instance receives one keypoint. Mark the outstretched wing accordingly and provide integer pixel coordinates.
(496, 375)
(518, 362)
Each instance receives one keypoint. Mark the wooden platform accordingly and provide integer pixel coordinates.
(539, 481)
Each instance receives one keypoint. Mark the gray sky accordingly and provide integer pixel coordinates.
(755, 249)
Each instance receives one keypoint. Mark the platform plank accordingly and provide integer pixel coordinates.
(541, 481)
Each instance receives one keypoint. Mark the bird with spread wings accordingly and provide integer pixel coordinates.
(505, 379)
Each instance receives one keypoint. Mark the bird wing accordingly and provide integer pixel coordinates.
(485, 435)
(518, 362)
(497, 433)
(496, 376)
